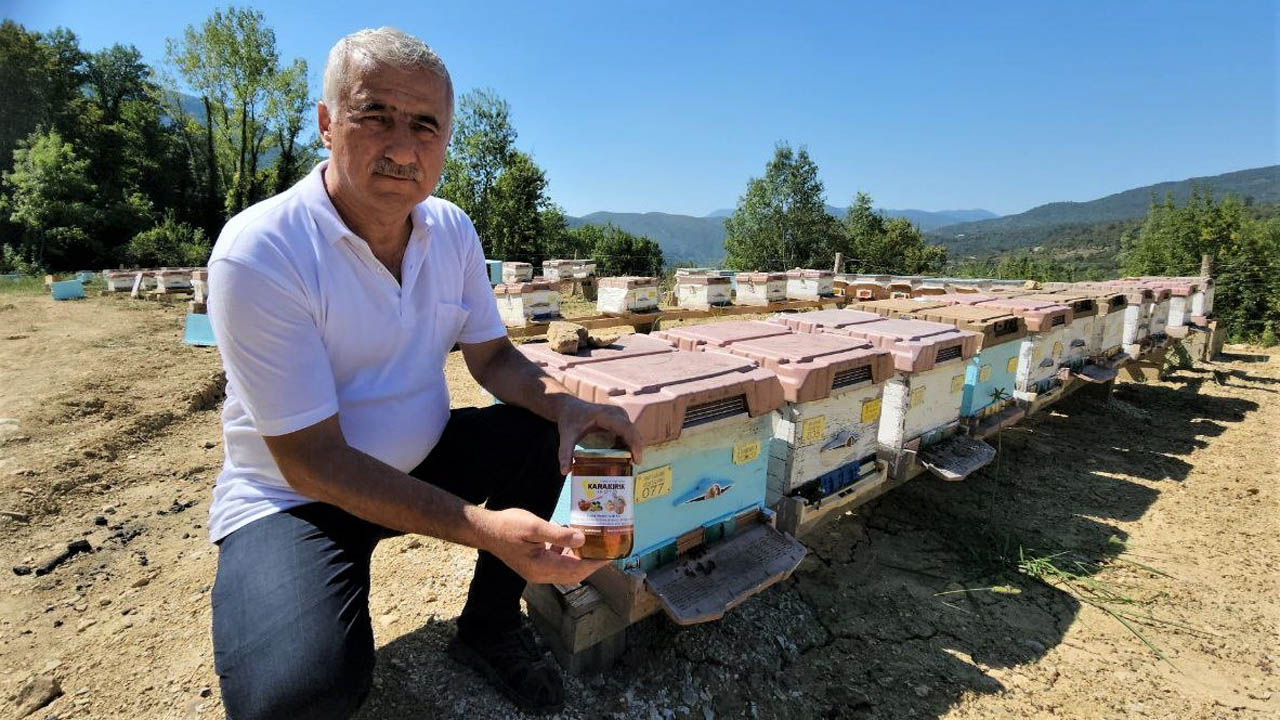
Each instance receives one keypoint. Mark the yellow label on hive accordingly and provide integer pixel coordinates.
(812, 429)
(653, 483)
(1012, 365)
(745, 451)
(1037, 352)
(957, 383)
(871, 410)
(917, 397)
(1057, 349)
(984, 373)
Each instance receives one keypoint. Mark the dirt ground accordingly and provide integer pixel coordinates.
(1157, 512)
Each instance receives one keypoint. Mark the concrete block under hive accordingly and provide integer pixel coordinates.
(803, 284)
(761, 288)
(990, 375)
(522, 303)
(921, 403)
(825, 437)
(516, 272)
(703, 291)
(705, 419)
(626, 295)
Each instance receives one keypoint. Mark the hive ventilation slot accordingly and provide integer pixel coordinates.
(852, 376)
(1058, 320)
(948, 353)
(715, 410)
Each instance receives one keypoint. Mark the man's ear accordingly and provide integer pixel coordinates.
(325, 123)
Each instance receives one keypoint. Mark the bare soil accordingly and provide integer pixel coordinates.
(913, 607)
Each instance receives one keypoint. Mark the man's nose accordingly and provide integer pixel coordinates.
(400, 149)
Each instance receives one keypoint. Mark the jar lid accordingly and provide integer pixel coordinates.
(602, 453)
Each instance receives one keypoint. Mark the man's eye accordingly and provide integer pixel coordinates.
(382, 119)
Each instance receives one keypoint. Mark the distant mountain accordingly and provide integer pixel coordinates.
(683, 238)
(1033, 227)
(926, 219)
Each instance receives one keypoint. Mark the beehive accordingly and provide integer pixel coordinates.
(703, 291)
(761, 288)
(922, 402)
(200, 285)
(582, 269)
(119, 280)
(629, 294)
(1084, 338)
(864, 290)
(705, 419)
(521, 303)
(1137, 302)
(1045, 348)
(494, 269)
(557, 270)
(1108, 328)
(805, 284)
(929, 286)
(516, 272)
(824, 438)
(172, 279)
(991, 375)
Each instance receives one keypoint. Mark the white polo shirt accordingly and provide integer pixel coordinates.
(309, 323)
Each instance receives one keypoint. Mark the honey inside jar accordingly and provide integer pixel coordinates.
(602, 498)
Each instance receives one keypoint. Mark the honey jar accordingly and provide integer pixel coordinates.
(602, 495)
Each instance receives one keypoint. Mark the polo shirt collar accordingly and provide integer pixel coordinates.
(329, 222)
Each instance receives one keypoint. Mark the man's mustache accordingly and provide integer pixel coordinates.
(407, 172)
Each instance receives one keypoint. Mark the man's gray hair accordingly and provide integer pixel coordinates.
(384, 46)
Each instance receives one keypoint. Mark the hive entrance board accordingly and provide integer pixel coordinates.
(1096, 374)
(956, 457)
(703, 588)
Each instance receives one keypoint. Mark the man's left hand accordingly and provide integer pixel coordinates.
(577, 418)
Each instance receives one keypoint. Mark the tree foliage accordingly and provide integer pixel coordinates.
(618, 252)
(872, 243)
(781, 221)
(171, 243)
(1245, 249)
(47, 193)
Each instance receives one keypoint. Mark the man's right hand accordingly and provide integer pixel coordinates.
(520, 539)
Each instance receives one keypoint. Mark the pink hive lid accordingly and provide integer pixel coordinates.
(915, 344)
(809, 273)
(656, 390)
(521, 288)
(820, 320)
(628, 282)
(1040, 315)
(808, 365)
(634, 345)
(700, 279)
(695, 337)
(759, 277)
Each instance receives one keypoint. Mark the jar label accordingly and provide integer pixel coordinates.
(601, 501)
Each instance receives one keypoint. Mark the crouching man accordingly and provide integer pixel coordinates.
(334, 305)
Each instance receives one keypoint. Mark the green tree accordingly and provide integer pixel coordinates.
(48, 196)
(781, 220)
(618, 252)
(171, 243)
(481, 149)
(872, 243)
(1246, 251)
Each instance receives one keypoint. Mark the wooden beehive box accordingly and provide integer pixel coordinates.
(761, 288)
(703, 291)
(991, 375)
(522, 303)
(808, 284)
(625, 295)
(516, 272)
(557, 270)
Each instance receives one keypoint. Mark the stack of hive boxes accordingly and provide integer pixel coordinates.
(627, 294)
(761, 288)
(703, 290)
(522, 303)
(516, 272)
(825, 437)
(805, 284)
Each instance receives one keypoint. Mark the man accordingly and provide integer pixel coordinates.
(334, 306)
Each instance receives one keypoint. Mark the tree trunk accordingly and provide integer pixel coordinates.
(211, 201)
(244, 148)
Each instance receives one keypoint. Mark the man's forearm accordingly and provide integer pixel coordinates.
(387, 497)
(516, 381)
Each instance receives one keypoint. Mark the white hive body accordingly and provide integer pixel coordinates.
(516, 272)
(522, 303)
(701, 292)
(625, 295)
(557, 270)
(805, 284)
(761, 288)
(119, 280)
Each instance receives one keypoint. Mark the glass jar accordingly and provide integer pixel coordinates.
(602, 496)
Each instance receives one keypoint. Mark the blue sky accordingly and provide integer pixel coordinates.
(672, 106)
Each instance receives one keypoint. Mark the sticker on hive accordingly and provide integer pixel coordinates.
(957, 383)
(812, 429)
(984, 373)
(653, 483)
(1012, 365)
(870, 410)
(746, 451)
(917, 397)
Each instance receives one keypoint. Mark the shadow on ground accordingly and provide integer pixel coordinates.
(891, 614)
